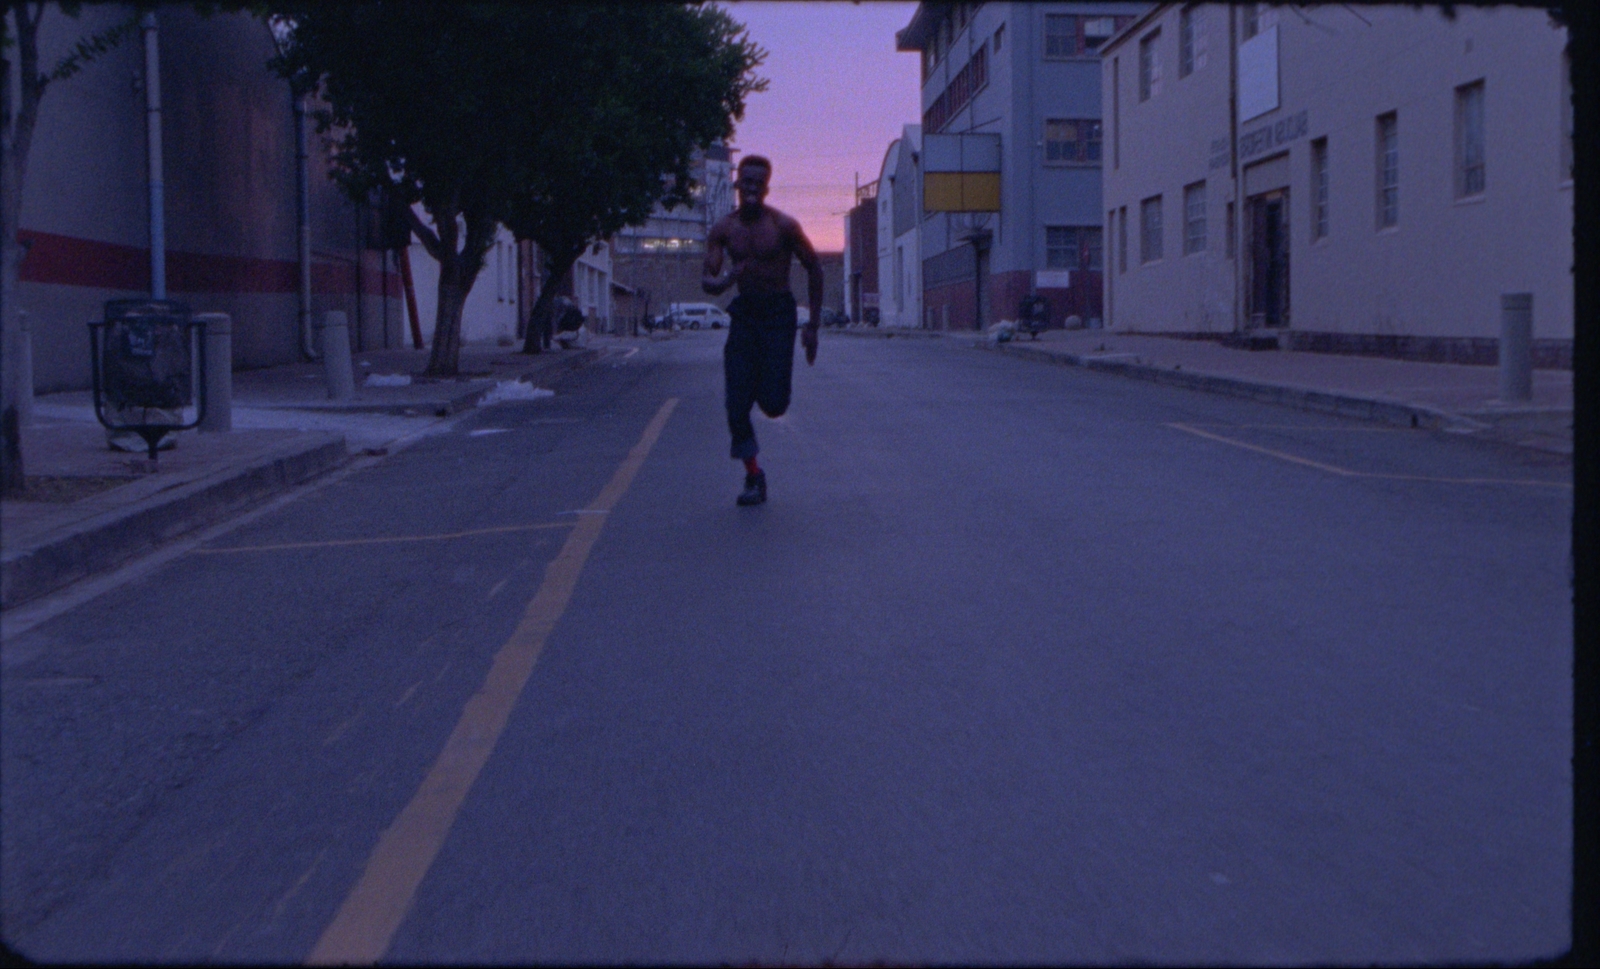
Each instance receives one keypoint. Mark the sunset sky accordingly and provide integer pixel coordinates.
(839, 94)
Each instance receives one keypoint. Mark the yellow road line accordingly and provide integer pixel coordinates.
(371, 914)
(1348, 473)
(381, 540)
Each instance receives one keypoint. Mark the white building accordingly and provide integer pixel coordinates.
(899, 216)
(494, 304)
(1391, 172)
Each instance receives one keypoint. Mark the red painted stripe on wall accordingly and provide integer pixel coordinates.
(73, 261)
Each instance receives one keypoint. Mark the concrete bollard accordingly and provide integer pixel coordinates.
(336, 356)
(18, 377)
(219, 372)
(1516, 347)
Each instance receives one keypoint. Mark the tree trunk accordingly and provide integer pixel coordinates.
(540, 325)
(445, 360)
(458, 270)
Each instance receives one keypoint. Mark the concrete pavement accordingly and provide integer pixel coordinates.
(91, 508)
(1454, 397)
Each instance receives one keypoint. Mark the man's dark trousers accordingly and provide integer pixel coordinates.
(757, 363)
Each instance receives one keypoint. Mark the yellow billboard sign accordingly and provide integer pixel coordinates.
(961, 191)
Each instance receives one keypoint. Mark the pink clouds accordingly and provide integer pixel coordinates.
(839, 94)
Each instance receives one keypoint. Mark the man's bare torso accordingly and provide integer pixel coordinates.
(760, 249)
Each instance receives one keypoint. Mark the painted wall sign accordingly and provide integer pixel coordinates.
(1270, 136)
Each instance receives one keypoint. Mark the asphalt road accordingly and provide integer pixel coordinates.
(1018, 664)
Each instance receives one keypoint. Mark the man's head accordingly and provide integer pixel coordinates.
(751, 184)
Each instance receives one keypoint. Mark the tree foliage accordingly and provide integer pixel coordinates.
(563, 121)
(646, 107)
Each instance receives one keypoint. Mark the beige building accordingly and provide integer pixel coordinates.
(1398, 170)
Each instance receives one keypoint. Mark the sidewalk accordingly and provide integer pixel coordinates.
(90, 508)
(1452, 397)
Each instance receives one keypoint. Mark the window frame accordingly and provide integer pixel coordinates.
(1149, 66)
(1320, 215)
(1151, 243)
(1191, 192)
(1075, 36)
(1186, 41)
(1470, 110)
(1387, 143)
(1092, 150)
(1122, 239)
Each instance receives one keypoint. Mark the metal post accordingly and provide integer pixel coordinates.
(336, 355)
(18, 363)
(303, 220)
(152, 103)
(218, 372)
(1516, 347)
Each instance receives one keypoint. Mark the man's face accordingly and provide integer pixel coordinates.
(752, 185)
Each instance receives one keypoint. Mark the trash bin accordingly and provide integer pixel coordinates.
(144, 357)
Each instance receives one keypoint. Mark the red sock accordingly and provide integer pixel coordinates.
(750, 466)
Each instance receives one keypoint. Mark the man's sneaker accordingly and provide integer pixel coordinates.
(755, 489)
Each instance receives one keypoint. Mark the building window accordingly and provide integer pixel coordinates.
(1072, 141)
(1194, 218)
(1060, 35)
(999, 37)
(1469, 140)
(1250, 22)
(1388, 181)
(1566, 116)
(1122, 239)
(1319, 188)
(1191, 40)
(1229, 232)
(1150, 229)
(1072, 247)
(1116, 112)
(1098, 30)
(1149, 66)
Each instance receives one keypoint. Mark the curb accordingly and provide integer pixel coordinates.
(112, 538)
(1301, 398)
(887, 332)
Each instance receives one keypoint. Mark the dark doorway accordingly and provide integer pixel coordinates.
(1269, 259)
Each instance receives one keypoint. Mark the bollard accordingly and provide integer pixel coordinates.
(219, 372)
(1516, 347)
(18, 378)
(336, 356)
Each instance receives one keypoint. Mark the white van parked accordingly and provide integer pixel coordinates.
(693, 316)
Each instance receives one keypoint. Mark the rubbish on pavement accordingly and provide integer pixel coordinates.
(514, 390)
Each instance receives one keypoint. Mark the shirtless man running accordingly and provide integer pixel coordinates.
(758, 359)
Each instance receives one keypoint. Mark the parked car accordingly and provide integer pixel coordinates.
(694, 316)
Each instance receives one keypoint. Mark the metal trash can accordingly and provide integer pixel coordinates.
(145, 356)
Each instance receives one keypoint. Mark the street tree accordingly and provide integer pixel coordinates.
(23, 84)
(622, 130)
(426, 103)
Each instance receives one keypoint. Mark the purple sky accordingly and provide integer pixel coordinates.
(839, 93)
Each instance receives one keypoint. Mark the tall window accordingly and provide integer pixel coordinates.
(1469, 140)
(1072, 141)
(1388, 170)
(1061, 35)
(1191, 40)
(1150, 229)
(1122, 239)
(1116, 112)
(1194, 218)
(1072, 247)
(1250, 22)
(1229, 232)
(999, 37)
(1319, 188)
(1149, 66)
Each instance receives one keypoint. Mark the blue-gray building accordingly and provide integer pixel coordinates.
(1029, 73)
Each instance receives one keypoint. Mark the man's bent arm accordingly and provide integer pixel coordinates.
(813, 266)
(712, 279)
